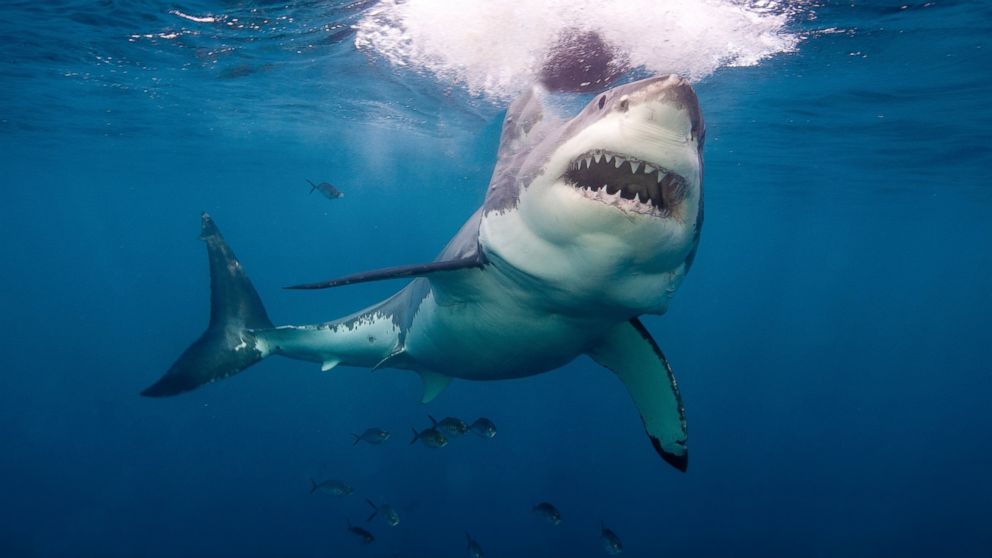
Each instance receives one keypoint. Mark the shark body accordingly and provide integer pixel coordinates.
(588, 223)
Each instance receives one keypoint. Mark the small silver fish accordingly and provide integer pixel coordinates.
(327, 189)
(474, 550)
(374, 436)
(431, 437)
(332, 487)
(611, 542)
(364, 535)
(548, 511)
(483, 427)
(451, 426)
(386, 511)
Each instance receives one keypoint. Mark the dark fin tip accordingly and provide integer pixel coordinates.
(169, 385)
(680, 462)
(207, 226)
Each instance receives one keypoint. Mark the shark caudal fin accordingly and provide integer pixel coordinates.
(228, 346)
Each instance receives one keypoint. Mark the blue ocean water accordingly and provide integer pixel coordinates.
(831, 341)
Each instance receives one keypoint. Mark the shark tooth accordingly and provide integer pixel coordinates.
(608, 157)
(654, 192)
(634, 165)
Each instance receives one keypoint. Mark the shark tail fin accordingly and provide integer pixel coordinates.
(375, 509)
(229, 345)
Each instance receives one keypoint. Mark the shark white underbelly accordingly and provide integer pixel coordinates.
(490, 328)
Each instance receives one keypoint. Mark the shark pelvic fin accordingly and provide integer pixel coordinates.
(434, 384)
(329, 364)
(631, 352)
(476, 260)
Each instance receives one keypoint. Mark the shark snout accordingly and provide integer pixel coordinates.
(670, 85)
(672, 90)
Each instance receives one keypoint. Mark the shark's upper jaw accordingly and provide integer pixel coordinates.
(609, 202)
(626, 181)
(635, 148)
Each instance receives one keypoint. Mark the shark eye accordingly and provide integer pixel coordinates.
(624, 103)
(602, 101)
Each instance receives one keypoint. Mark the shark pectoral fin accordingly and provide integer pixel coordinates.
(329, 364)
(476, 260)
(631, 353)
(434, 384)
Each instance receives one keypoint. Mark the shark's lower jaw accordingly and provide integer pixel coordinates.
(627, 182)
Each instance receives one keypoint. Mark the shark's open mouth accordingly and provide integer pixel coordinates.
(612, 177)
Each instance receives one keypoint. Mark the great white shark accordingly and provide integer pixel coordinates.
(587, 224)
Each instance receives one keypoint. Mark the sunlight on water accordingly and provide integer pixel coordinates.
(491, 48)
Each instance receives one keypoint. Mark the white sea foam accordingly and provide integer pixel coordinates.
(494, 48)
